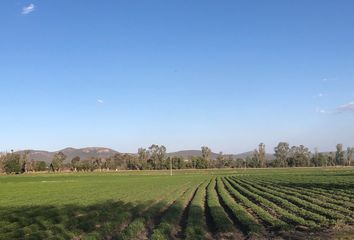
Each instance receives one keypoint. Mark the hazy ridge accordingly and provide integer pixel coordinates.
(89, 152)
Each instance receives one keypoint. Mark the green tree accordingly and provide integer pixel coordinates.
(206, 152)
(199, 163)
(220, 161)
(30, 166)
(178, 163)
(12, 163)
(318, 159)
(133, 163)
(157, 156)
(118, 161)
(322, 160)
(39, 166)
(350, 152)
(25, 164)
(75, 163)
(300, 156)
(97, 162)
(240, 163)
(86, 165)
(230, 161)
(1, 163)
(281, 153)
(340, 159)
(252, 162)
(107, 164)
(260, 156)
(58, 161)
(331, 159)
(143, 157)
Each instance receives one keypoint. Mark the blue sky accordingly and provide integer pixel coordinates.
(227, 74)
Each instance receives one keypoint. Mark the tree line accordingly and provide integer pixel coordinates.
(155, 158)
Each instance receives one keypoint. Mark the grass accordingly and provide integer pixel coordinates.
(152, 204)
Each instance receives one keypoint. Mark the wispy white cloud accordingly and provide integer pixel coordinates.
(28, 9)
(330, 79)
(322, 111)
(320, 95)
(349, 107)
(100, 101)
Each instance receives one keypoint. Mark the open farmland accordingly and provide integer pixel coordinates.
(212, 204)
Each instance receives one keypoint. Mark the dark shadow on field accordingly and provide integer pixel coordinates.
(95, 221)
(106, 220)
(111, 219)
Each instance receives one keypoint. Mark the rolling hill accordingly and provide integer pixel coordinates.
(83, 153)
(89, 152)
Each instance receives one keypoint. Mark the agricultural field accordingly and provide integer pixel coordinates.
(297, 203)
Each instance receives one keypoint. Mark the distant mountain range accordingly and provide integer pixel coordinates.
(83, 153)
(89, 152)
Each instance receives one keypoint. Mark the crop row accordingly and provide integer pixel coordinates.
(315, 183)
(196, 224)
(319, 193)
(243, 218)
(169, 222)
(221, 221)
(314, 198)
(138, 225)
(301, 203)
(260, 212)
(283, 213)
(284, 203)
(316, 205)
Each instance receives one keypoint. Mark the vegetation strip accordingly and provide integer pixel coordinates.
(314, 198)
(248, 224)
(286, 215)
(327, 207)
(196, 224)
(302, 203)
(219, 217)
(138, 225)
(261, 213)
(320, 193)
(141, 205)
(272, 201)
(167, 226)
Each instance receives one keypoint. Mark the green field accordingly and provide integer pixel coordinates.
(293, 203)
